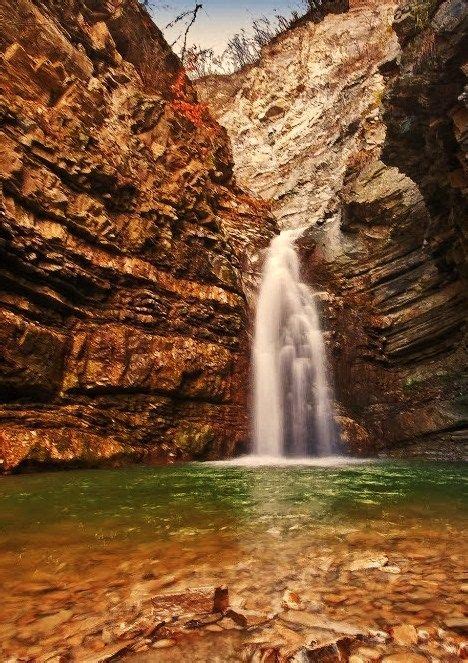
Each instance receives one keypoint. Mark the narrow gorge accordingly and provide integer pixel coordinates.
(130, 253)
(233, 331)
(354, 125)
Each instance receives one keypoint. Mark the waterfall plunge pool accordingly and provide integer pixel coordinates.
(93, 545)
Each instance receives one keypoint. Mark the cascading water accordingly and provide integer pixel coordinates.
(292, 401)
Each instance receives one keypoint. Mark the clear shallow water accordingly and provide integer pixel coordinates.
(90, 540)
(165, 498)
(138, 504)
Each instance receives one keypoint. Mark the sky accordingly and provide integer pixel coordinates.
(219, 19)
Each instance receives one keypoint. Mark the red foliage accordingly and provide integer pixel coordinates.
(178, 88)
(197, 114)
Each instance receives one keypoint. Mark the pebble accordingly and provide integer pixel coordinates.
(391, 569)
(50, 623)
(335, 599)
(463, 650)
(369, 654)
(164, 644)
(291, 600)
(405, 657)
(368, 561)
(274, 531)
(458, 624)
(449, 647)
(379, 636)
(405, 634)
(366, 538)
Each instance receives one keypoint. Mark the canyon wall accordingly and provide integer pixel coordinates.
(127, 250)
(356, 128)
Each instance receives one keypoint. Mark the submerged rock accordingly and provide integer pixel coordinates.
(458, 624)
(368, 561)
(405, 634)
(405, 657)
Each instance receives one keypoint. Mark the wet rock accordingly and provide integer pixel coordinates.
(368, 654)
(335, 599)
(330, 652)
(259, 652)
(106, 653)
(302, 618)
(463, 650)
(405, 634)
(354, 436)
(368, 561)
(163, 644)
(274, 531)
(49, 623)
(379, 636)
(370, 538)
(291, 600)
(405, 657)
(458, 624)
(228, 624)
(221, 599)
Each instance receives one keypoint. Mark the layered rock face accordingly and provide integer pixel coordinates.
(126, 249)
(355, 127)
(312, 101)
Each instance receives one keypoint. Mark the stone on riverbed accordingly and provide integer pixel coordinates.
(458, 624)
(405, 634)
(50, 622)
(368, 560)
(306, 619)
(405, 657)
(221, 599)
(328, 652)
(291, 601)
(368, 654)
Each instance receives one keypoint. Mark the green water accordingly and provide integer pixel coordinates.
(99, 546)
(140, 503)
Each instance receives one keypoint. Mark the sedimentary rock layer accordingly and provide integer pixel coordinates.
(355, 127)
(124, 265)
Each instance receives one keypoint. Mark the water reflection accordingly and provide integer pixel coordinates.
(96, 539)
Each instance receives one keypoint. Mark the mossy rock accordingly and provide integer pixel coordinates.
(194, 441)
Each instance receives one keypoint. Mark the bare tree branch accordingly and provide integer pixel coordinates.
(194, 18)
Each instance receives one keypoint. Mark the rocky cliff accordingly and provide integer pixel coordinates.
(123, 239)
(355, 128)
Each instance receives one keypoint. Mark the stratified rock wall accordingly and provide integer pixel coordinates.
(123, 239)
(356, 128)
(312, 100)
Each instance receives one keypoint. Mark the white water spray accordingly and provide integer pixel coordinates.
(292, 400)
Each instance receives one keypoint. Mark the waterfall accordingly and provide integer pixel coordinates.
(292, 400)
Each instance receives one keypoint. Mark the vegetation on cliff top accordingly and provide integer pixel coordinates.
(243, 47)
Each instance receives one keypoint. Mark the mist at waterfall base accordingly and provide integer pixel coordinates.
(293, 421)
